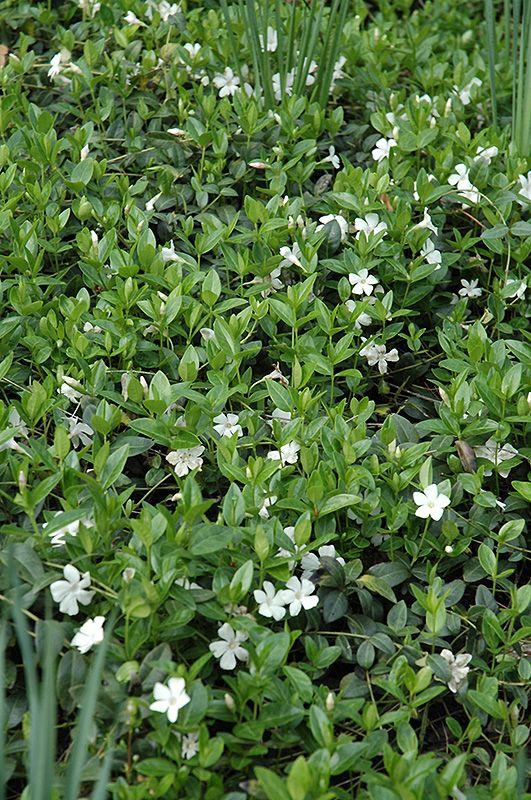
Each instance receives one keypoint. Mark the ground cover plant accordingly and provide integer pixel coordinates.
(264, 396)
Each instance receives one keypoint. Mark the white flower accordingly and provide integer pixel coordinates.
(132, 19)
(469, 289)
(312, 69)
(227, 425)
(71, 528)
(277, 85)
(90, 7)
(84, 152)
(228, 83)
(311, 562)
(289, 530)
(270, 602)
(263, 512)
(427, 223)
(274, 278)
(168, 253)
(458, 668)
(341, 221)
(383, 149)
(192, 49)
(72, 590)
(176, 132)
(464, 94)
(362, 318)
(189, 745)
(370, 225)
(290, 256)
(56, 65)
(276, 375)
(272, 40)
(486, 153)
(185, 460)
(283, 417)
(525, 186)
(288, 453)
(362, 282)
(70, 388)
(332, 158)
(207, 334)
(496, 453)
(430, 503)
(169, 699)
(187, 584)
(90, 633)
(165, 10)
(150, 205)
(520, 288)
(461, 181)
(229, 648)
(338, 70)
(79, 432)
(376, 354)
(15, 422)
(299, 594)
(430, 254)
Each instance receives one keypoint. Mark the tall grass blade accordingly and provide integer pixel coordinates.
(491, 52)
(100, 789)
(81, 733)
(3, 720)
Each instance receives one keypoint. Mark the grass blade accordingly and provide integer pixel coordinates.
(77, 759)
(3, 721)
(491, 52)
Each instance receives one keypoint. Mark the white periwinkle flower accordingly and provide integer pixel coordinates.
(169, 699)
(299, 594)
(263, 512)
(470, 289)
(189, 745)
(229, 647)
(369, 225)
(525, 186)
(458, 668)
(460, 179)
(383, 149)
(427, 223)
(332, 158)
(72, 590)
(496, 453)
(311, 562)
(185, 460)
(288, 453)
(377, 355)
(272, 40)
(227, 425)
(56, 65)
(227, 83)
(90, 633)
(341, 221)
(430, 253)
(168, 253)
(430, 503)
(464, 94)
(71, 528)
(131, 19)
(362, 282)
(70, 388)
(207, 334)
(486, 153)
(290, 255)
(270, 602)
(79, 431)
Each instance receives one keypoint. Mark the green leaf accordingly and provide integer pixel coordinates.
(82, 172)
(338, 501)
(113, 467)
(273, 786)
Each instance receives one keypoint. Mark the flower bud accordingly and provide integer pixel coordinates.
(330, 701)
(229, 702)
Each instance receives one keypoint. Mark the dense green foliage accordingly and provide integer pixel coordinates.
(264, 395)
